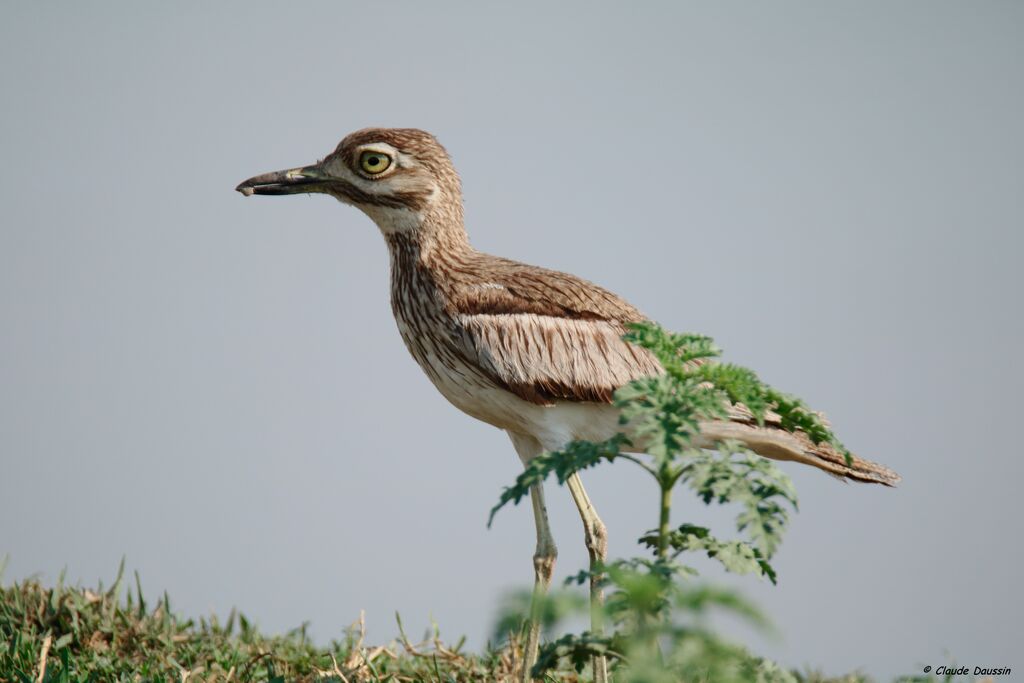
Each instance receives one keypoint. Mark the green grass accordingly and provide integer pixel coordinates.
(98, 635)
(75, 634)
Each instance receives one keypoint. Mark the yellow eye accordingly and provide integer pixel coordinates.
(374, 162)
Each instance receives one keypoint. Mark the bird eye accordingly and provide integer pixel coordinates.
(374, 162)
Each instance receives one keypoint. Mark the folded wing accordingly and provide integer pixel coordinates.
(548, 336)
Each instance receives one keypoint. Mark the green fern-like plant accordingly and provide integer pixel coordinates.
(659, 633)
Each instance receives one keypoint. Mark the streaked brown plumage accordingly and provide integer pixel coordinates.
(546, 336)
(532, 351)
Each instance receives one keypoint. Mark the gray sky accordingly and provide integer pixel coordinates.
(215, 387)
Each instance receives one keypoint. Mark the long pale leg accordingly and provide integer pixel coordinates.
(543, 559)
(596, 537)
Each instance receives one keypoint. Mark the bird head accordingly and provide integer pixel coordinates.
(399, 177)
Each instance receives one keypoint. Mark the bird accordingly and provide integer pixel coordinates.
(535, 352)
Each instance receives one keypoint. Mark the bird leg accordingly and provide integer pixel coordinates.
(596, 537)
(543, 568)
(529, 448)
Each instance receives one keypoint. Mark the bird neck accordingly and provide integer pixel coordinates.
(431, 235)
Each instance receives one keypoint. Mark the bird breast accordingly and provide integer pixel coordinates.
(440, 345)
(430, 334)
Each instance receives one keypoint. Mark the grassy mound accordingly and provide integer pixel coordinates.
(71, 634)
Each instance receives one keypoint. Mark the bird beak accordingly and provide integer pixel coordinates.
(292, 181)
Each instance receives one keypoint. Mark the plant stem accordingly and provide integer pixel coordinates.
(666, 505)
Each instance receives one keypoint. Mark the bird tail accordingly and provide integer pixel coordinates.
(771, 441)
